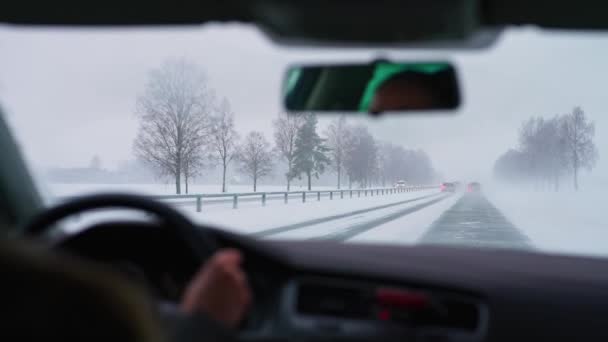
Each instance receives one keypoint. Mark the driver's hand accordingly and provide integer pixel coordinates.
(219, 289)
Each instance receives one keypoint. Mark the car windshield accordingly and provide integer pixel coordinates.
(192, 116)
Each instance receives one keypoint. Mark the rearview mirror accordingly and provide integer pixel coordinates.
(375, 88)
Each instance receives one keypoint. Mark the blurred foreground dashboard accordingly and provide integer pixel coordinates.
(328, 291)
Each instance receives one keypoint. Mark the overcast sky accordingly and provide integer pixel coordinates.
(70, 94)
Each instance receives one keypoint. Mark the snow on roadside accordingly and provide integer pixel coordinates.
(256, 218)
(408, 229)
(562, 222)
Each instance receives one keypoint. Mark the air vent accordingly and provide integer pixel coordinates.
(450, 313)
(337, 301)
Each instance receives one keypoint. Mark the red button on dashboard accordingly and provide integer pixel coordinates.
(395, 298)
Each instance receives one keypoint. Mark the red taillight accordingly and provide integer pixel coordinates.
(384, 315)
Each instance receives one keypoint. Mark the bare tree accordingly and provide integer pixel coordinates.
(224, 138)
(337, 137)
(578, 133)
(350, 149)
(540, 157)
(550, 148)
(174, 119)
(256, 157)
(510, 166)
(553, 151)
(386, 159)
(392, 162)
(541, 144)
(193, 163)
(285, 132)
(361, 159)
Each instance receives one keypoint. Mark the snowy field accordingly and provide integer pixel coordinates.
(564, 222)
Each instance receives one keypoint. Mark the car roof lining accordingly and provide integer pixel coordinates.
(325, 22)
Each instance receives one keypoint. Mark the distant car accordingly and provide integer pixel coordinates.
(474, 187)
(447, 187)
(400, 184)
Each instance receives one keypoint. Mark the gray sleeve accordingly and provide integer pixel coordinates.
(181, 327)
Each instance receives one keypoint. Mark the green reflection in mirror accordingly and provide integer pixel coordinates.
(292, 80)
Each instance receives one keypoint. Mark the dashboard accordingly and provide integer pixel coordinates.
(325, 291)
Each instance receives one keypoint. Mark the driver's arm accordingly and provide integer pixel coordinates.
(218, 293)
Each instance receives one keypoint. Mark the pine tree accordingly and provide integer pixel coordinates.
(310, 151)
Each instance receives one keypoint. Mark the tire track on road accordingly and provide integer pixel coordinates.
(349, 232)
(290, 227)
(475, 221)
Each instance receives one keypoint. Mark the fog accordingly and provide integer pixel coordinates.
(70, 94)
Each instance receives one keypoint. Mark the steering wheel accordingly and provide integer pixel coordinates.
(196, 239)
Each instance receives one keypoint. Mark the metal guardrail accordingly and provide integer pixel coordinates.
(305, 195)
